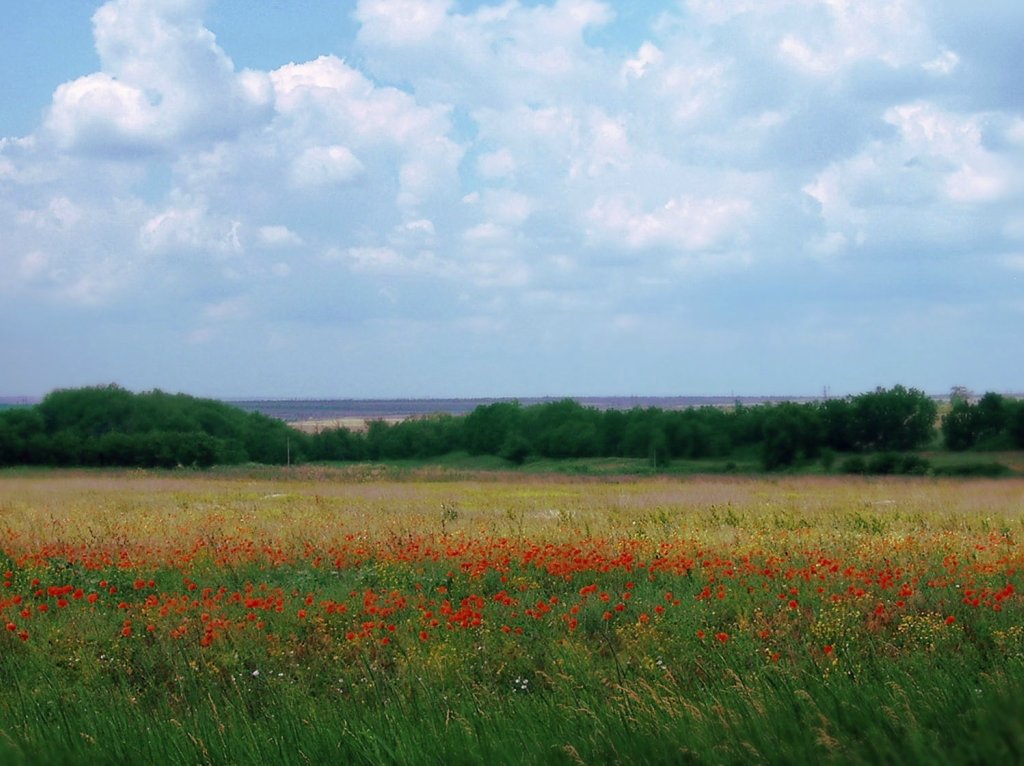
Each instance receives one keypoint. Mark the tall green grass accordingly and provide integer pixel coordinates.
(915, 710)
(922, 692)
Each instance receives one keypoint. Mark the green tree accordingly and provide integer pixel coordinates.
(488, 426)
(1015, 423)
(563, 429)
(838, 419)
(338, 444)
(960, 426)
(791, 431)
(993, 422)
(896, 419)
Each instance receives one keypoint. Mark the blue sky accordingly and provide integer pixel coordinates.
(415, 198)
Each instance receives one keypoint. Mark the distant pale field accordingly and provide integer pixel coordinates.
(357, 425)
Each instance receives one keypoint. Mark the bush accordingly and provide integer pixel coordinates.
(854, 465)
(887, 464)
(972, 469)
(515, 449)
(828, 458)
(913, 465)
(884, 464)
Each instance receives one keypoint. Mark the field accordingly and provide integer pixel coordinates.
(319, 615)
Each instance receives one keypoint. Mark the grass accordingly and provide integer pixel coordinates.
(342, 615)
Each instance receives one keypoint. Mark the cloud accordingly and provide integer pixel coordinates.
(402, 22)
(648, 56)
(934, 180)
(99, 113)
(384, 260)
(496, 165)
(683, 223)
(325, 166)
(164, 80)
(491, 54)
(189, 226)
(332, 113)
(278, 237)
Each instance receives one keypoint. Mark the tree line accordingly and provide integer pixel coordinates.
(110, 426)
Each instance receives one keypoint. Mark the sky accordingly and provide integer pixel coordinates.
(433, 198)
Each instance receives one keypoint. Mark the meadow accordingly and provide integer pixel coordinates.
(360, 615)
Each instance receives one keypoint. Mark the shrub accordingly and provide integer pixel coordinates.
(854, 465)
(972, 469)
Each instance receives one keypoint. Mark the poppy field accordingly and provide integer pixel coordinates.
(354, 616)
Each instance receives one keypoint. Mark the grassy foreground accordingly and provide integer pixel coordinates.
(316, 615)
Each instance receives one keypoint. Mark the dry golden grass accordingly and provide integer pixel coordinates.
(319, 503)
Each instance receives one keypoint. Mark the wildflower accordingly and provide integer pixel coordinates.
(827, 649)
(950, 620)
(722, 637)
